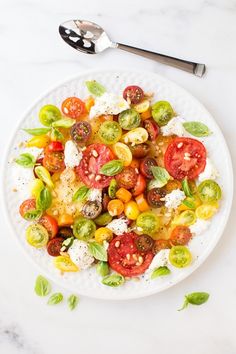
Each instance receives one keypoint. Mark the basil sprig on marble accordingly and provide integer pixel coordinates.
(55, 299)
(42, 286)
(197, 129)
(112, 168)
(197, 298)
(161, 176)
(160, 272)
(26, 160)
(72, 301)
(95, 88)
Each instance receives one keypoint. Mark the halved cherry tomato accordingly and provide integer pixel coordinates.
(103, 234)
(144, 243)
(140, 186)
(115, 207)
(180, 236)
(50, 225)
(65, 232)
(162, 112)
(80, 132)
(172, 185)
(156, 197)
(54, 246)
(180, 256)
(73, 107)
(125, 258)
(65, 220)
(133, 94)
(152, 128)
(54, 161)
(38, 141)
(94, 157)
(37, 235)
(135, 163)
(105, 201)
(139, 151)
(131, 210)
(65, 264)
(185, 157)
(91, 209)
(160, 244)
(147, 114)
(110, 132)
(142, 203)
(122, 151)
(127, 178)
(146, 165)
(124, 195)
(148, 222)
(26, 206)
(55, 146)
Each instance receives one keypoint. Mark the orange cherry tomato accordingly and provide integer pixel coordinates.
(115, 207)
(65, 220)
(26, 206)
(50, 225)
(147, 114)
(89, 103)
(73, 107)
(135, 163)
(142, 203)
(124, 195)
(105, 117)
(173, 184)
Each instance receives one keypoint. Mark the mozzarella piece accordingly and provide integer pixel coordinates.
(209, 172)
(95, 195)
(79, 254)
(174, 127)
(108, 103)
(72, 155)
(174, 199)
(161, 259)
(199, 227)
(118, 226)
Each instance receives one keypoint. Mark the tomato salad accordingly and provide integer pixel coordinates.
(120, 183)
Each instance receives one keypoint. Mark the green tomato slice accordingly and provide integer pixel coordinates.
(180, 256)
(49, 114)
(162, 112)
(129, 119)
(209, 191)
(148, 222)
(84, 229)
(110, 132)
(103, 219)
(37, 235)
(186, 218)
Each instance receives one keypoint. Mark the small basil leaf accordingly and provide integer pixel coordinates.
(33, 215)
(42, 286)
(95, 88)
(189, 203)
(64, 123)
(159, 272)
(112, 168)
(197, 129)
(112, 189)
(26, 160)
(44, 199)
(98, 251)
(197, 298)
(81, 194)
(186, 188)
(113, 280)
(185, 304)
(55, 299)
(37, 131)
(56, 135)
(161, 175)
(72, 301)
(102, 268)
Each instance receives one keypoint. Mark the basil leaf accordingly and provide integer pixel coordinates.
(112, 168)
(161, 175)
(81, 193)
(95, 88)
(112, 189)
(55, 299)
(56, 135)
(64, 123)
(37, 131)
(42, 286)
(33, 214)
(189, 203)
(44, 199)
(113, 280)
(159, 272)
(98, 251)
(197, 298)
(197, 129)
(102, 268)
(186, 188)
(72, 301)
(26, 160)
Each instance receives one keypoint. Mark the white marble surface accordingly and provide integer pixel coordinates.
(32, 59)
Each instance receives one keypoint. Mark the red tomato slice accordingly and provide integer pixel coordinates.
(133, 93)
(180, 236)
(55, 146)
(54, 161)
(125, 258)
(73, 107)
(146, 166)
(27, 205)
(127, 178)
(54, 246)
(140, 186)
(185, 157)
(152, 128)
(50, 225)
(94, 157)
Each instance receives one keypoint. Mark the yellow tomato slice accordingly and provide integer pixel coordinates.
(206, 211)
(65, 264)
(123, 153)
(142, 106)
(135, 136)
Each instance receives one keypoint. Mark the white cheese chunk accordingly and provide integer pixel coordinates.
(79, 254)
(118, 226)
(209, 172)
(95, 195)
(108, 103)
(174, 127)
(199, 227)
(161, 259)
(174, 199)
(72, 155)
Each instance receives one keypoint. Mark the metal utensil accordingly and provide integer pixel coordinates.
(90, 38)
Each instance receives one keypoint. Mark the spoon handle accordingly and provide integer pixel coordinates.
(189, 66)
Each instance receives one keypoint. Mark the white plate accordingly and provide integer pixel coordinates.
(88, 282)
